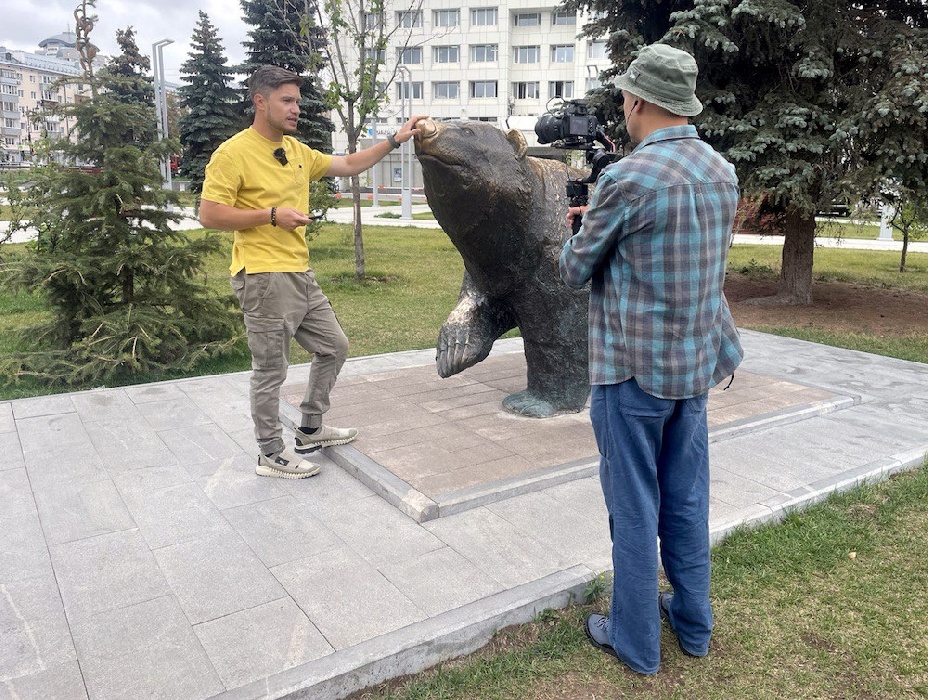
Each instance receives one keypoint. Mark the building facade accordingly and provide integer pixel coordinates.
(504, 62)
(29, 87)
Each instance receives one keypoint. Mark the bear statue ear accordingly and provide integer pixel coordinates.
(515, 137)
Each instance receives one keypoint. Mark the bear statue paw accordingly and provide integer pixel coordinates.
(524, 403)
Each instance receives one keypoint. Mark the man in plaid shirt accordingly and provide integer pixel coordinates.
(654, 245)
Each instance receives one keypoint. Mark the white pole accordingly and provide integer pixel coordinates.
(406, 194)
(161, 104)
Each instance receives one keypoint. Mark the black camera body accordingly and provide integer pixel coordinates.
(572, 126)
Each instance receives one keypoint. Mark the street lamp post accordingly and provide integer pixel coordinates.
(161, 104)
(405, 149)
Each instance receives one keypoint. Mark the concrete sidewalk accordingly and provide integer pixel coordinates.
(140, 556)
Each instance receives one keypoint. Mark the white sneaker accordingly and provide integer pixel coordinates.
(324, 437)
(286, 464)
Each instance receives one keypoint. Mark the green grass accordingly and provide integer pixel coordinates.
(826, 604)
(876, 268)
(412, 283)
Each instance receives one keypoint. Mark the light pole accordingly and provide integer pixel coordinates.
(161, 104)
(406, 191)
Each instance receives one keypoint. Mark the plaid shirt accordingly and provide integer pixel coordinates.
(655, 244)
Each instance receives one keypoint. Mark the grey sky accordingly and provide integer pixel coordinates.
(27, 22)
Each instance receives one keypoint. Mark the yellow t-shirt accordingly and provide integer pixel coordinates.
(244, 173)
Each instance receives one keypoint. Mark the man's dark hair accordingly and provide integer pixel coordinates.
(268, 78)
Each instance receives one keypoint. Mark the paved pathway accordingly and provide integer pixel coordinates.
(141, 557)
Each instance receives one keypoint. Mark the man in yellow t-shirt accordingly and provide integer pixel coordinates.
(257, 185)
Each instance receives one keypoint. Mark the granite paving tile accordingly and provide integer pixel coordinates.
(216, 576)
(105, 405)
(328, 587)
(173, 413)
(54, 405)
(506, 468)
(50, 460)
(76, 511)
(281, 530)
(7, 422)
(144, 650)
(174, 514)
(256, 643)
(496, 547)
(380, 533)
(11, 452)
(232, 482)
(440, 580)
(194, 445)
(105, 573)
(59, 681)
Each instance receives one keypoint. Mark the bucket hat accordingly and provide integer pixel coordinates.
(664, 76)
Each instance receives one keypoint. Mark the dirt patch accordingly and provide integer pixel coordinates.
(836, 306)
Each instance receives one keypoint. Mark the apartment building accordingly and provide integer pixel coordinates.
(28, 88)
(499, 61)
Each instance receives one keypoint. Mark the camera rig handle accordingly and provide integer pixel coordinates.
(578, 190)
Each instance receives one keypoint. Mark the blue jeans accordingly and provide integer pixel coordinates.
(654, 469)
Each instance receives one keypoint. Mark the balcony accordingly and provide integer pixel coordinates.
(10, 131)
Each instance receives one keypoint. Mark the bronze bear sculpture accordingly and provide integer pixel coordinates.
(506, 214)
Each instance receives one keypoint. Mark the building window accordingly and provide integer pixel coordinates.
(483, 88)
(31, 78)
(409, 19)
(446, 54)
(526, 91)
(562, 54)
(372, 20)
(483, 53)
(410, 56)
(596, 49)
(9, 123)
(10, 90)
(446, 90)
(9, 107)
(483, 17)
(447, 18)
(563, 18)
(561, 88)
(404, 90)
(593, 84)
(526, 54)
(526, 19)
(380, 55)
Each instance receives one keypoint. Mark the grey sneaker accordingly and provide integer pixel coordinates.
(324, 437)
(286, 464)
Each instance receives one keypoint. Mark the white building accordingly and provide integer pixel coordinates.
(500, 61)
(28, 87)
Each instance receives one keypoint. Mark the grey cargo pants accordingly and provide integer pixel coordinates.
(279, 306)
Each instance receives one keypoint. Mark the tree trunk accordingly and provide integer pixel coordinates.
(795, 286)
(358, 238)
(905, 249)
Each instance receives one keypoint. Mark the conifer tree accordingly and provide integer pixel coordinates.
(282, 38)
(125, 290)
(211, 106)
(126, 76)
(812, 100)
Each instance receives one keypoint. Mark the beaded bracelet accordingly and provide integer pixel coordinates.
(273, 216)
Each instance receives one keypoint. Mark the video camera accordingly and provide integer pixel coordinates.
(571, 126)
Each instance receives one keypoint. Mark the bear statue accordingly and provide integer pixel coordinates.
(506, 214)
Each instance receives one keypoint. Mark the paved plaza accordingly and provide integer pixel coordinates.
(140, 556)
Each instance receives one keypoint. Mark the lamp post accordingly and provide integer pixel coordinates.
(405, 150)
(161, 104)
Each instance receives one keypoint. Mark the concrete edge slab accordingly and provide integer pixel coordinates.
(778, 508)
(419, 646)
(784, 416)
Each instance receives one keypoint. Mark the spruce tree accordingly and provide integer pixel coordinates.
(282, 37)
(126, 76)
(812, 101)
(125, 290)
(211, 106)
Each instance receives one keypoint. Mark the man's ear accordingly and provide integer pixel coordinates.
(517, 140)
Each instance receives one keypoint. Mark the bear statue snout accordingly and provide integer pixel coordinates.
(427, 129)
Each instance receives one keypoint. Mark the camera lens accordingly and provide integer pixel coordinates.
(548, 128)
